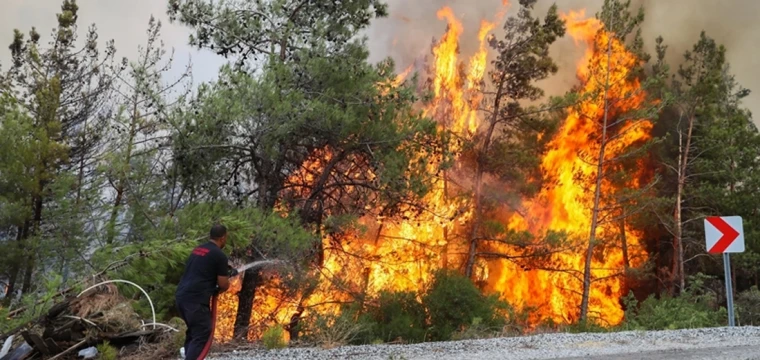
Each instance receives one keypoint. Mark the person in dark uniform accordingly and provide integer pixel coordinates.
(206, 274)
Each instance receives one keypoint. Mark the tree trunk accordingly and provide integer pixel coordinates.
(80, 175)
(624, 245)
(295, 319)
(292, 326)
(683, 158)
(367, 271)
(123, 173)
(31, 250)
(251, 280)
(477, 208)
(475, 222)
(12, 283)
(28, 272)
(114, 215)
(16, 267)
(597, 195)
(445, 250)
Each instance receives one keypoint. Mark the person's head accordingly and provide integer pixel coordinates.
(218, 235)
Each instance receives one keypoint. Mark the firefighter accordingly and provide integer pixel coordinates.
(206, 275)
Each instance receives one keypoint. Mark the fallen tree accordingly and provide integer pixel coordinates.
(98, 316)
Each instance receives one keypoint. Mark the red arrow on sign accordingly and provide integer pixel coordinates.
(729, 234)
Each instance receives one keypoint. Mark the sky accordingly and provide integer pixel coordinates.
(408, 32)
(124, 21)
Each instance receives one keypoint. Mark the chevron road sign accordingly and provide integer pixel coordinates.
(725, 235)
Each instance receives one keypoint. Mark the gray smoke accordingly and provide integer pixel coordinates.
(407, 33)
(413, 24)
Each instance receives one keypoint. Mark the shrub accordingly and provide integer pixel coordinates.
(107, 352)
(694, 308)
(748, 306)
(396, 316)
(332, 330)
(453, 303)
(476, 330)
(274, 338)
(178, 337)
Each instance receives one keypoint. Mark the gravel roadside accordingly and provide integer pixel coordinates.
(740, 343)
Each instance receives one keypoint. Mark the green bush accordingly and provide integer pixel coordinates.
(333, 330)
(453, 303)
(396, 315)
(748, 307)
(178, 337)
(694, 308)
(107, 352)
(274, 338)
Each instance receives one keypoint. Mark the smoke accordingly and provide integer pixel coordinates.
(407, 34)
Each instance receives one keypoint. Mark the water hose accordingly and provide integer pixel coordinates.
(152, 309)
(210, 341)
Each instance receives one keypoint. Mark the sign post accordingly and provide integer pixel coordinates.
(725, 235)
(729, 288)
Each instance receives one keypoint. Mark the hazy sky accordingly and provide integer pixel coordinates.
(407, 34)
(124, 21)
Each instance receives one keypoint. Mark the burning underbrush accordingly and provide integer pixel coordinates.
(537, 275)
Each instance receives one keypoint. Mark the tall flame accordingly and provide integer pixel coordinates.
(567, 205)
(399, 254)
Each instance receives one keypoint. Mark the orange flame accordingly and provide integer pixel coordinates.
(399, 254)
(566, 206)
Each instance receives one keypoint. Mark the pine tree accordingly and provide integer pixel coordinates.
(699, 87)
(138, 131)
(63, 89)
(613, 157)
(724, 177)
(17, 153)
(512, 142)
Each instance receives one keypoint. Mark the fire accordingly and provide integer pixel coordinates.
(399, 254)
(567, 206)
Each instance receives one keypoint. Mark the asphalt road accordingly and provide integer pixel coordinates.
(722, 353)
(737, 343)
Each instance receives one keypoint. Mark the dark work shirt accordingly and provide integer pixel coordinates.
(198, 283)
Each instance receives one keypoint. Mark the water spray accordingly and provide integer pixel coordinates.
(258, 264)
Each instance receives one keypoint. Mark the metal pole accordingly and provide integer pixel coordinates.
(729, 289)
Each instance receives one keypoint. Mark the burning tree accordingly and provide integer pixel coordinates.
(512, 138)
(318, 133)
(301, 138)
(615, 113)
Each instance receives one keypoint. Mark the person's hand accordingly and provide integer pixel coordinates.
(231, 271)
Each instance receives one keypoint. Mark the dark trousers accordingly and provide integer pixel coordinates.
(198, 320)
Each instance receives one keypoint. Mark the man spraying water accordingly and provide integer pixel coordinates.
(206, 275)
